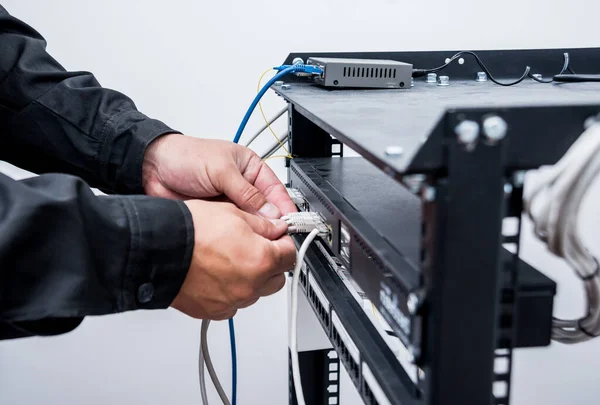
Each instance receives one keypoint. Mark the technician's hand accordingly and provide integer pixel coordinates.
(183, 167)
(238, 257)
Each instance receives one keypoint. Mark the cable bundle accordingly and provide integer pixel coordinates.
(553, 205)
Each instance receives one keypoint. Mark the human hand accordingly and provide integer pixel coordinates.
(238, 257)
(183, 167)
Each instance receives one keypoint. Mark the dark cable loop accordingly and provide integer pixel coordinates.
(526, 74)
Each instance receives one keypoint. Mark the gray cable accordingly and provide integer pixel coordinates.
(201, 374)
(275, 147)
(265, 126)
(553, 205)
(209, 364)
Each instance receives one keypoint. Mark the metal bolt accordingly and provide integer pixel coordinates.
(394, 150)
(285, 87)
(412, 303)
(519, 178)
(467, 132)
(298, 61)
(481, 77)
(414, 182)
(443, 81)
(429, 194)
(537, 76)
(412, 82)
(278, 83)
(494, 128)
(431, 78)
(508, 188)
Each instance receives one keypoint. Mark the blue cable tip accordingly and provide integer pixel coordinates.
(301, 68)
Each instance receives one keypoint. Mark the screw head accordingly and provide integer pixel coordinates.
(285, 87)
(298, 61)
(429, 194)
(414, 182)
(431, 78)
(443, 81)
(394, 150)
(412, 303)
(494, 128)
(467, 132)
(481, 77)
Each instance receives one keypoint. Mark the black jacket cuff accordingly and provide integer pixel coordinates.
(125, 137)
(162, 242)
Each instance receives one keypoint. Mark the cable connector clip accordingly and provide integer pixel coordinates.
(305, 222)
(298, 198)
(301, 68)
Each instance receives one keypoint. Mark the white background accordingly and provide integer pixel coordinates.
(194, 65)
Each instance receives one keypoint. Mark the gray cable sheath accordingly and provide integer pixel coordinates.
(201, 374)
(209, 364)
(265, 126)
(275, 147)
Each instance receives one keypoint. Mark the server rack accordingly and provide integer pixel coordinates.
(429, 226)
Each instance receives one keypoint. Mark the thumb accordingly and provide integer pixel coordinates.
(247, 197)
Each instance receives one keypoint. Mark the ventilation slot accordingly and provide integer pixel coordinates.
(370, 255)
(313, 191)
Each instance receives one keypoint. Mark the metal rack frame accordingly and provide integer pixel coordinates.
(466, 289)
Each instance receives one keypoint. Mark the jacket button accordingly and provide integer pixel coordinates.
(145, 293)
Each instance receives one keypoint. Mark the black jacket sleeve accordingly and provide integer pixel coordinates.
(52, 120)
(66, 253)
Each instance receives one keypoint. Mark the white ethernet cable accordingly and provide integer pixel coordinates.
(298, 222)
(294, 321)
(313, 224)
(553, 205)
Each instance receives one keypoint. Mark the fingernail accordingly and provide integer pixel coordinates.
(269, 211)
(279, 223)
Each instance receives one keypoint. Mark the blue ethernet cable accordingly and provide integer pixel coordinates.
(233, 362)
(282, 71)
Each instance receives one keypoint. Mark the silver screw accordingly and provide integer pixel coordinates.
(285, 87)
(519, 178)
(537, 76)
(481, 77)
(394, 150)
(298, 61)
(429, 194)
(412, 303)
(508, 188)
(467, 132)
(494, 128)
(278, 83)
(443, 81)
(431, 78)
(414, 182)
